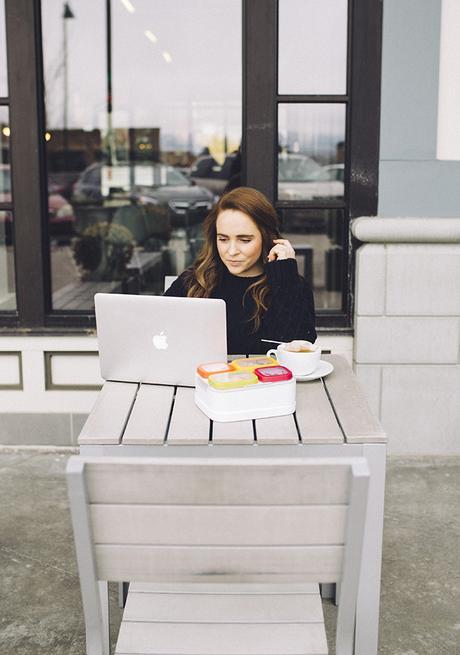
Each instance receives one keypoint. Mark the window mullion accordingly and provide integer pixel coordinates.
(28, 202)
(260, 90)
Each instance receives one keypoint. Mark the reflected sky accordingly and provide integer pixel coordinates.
(167, 56)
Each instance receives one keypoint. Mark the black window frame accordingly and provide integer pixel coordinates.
(259, 147)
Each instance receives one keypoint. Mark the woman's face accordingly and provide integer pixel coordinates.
(239, 243)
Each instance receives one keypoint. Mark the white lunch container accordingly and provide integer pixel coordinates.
(260, 400)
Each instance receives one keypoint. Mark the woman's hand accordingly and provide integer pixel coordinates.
(282, 250)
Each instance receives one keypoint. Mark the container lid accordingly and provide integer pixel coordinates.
(250, 363)
(233, 380)
(205, 370)
(273, 373)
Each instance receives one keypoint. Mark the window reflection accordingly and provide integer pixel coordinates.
(3, 74)
(7, 281)
(311, 152)
(318, 236)
(312, 46)
(141, 141)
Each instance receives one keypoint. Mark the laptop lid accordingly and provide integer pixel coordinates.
(158, 339)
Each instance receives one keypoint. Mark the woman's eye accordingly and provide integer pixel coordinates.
(221, 239)
(246, 240)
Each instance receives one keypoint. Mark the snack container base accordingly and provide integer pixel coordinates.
(262, 400)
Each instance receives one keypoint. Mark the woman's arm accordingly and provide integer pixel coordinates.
(291, 314)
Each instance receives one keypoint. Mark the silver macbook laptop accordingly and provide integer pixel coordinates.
(158, 339)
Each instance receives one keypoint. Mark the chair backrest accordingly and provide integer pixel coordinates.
(220, 519)
(169, 279)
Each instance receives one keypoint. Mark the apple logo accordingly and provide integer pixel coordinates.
(160, 341)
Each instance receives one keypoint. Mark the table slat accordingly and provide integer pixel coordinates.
(358, 422)
(315, 416)
(277, 430)
(188, 423)
(233, 432)
(107, 419)
(149, 417)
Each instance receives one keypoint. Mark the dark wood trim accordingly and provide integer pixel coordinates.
(363, 139)
(304, 204)
(4, 101)
(29, 190)
(311, 99)
(260, 90)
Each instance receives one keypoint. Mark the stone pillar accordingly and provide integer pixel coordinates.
(407, 329)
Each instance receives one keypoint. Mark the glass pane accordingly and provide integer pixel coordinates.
(139, 149)
(318, 239)
(3, 73)
(7, 282)
(311, 152)
(312, 46)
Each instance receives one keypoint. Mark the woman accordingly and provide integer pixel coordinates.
(245, 261)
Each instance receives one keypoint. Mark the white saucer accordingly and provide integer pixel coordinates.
(323, 369)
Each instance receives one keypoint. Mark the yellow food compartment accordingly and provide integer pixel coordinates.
(205, 370)
(233, 380)
(250, 363)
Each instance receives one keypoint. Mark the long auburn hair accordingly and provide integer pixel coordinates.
(207, 270)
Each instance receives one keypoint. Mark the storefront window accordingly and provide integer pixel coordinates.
(318, 236)
(143, 111)
(311, 152)
(312, 47)
(3, 75)
(7, 280)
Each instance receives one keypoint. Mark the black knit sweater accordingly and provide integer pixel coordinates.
(290, 315)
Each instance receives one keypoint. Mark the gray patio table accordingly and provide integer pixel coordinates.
(332, 419)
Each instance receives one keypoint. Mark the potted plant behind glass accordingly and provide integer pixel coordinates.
(102, 252)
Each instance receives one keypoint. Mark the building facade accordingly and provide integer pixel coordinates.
(122, 122)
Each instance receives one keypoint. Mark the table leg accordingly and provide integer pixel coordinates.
(367, 613)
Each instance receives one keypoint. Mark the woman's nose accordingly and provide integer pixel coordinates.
(232, 248)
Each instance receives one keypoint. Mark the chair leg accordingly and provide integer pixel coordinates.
(123, 588)
(104, 596)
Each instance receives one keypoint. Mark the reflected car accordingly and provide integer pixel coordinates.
(61, 215)
(187, 202)
(169, 198)
(301, 178)
(209, 174)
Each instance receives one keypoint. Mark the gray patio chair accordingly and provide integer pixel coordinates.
(221, 552)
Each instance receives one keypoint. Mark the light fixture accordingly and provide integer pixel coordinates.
(68, 13)
(47, 136)
(6, 131)
(167, 57)
(128, 6)
(151, 36)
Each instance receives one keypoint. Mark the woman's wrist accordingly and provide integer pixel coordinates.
(281, 272)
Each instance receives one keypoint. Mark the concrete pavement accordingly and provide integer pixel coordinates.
(40, 607)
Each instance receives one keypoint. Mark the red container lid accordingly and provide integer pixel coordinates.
(273, 373)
